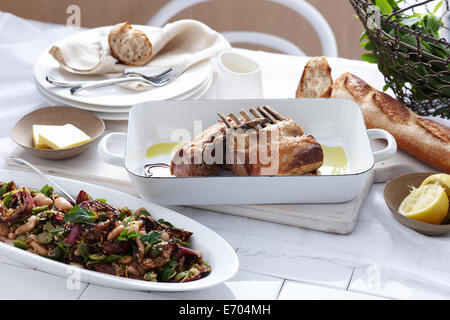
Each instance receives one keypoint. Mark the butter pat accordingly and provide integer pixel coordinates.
(62, 137)
(36, 130)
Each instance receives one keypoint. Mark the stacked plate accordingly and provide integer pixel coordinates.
(114, 102)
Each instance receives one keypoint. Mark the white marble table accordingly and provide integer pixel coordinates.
(380, 259)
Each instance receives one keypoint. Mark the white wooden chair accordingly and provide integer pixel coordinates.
(304, 9)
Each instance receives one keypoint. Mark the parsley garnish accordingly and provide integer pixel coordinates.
(47, 190)
(152, 237)
(82, 215)
(4, 188)
(7, 200)
(167, 223)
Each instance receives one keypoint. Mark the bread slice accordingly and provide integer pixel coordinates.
(130, 46)
(316, 80)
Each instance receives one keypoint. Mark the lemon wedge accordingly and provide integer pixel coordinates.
(428, 203)
(441, 179)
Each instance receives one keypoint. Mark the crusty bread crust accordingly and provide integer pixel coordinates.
(130, 46)
(316, 80)
(425, 139)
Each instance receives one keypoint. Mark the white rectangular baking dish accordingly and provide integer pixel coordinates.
(331, 121)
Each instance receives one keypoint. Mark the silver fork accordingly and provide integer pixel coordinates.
(156, 81)
(70, 84)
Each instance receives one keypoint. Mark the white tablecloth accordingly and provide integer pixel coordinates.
(403, 260)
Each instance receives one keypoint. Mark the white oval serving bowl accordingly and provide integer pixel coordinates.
(216, 251)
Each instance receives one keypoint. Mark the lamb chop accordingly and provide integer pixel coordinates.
(190, 159)
(268, 144)
(279, 147)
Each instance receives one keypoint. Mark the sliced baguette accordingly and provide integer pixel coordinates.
(130, 46)
(316, 80)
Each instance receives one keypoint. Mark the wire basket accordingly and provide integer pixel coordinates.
(416, 74)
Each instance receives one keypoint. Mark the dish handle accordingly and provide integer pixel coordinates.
(391, 147)
(106, 155)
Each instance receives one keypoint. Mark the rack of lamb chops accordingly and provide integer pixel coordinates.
(261, 144)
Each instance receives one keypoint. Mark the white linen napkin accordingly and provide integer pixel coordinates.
(181, 43)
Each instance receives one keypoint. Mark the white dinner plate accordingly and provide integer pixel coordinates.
(101, 115)
(85, 106)
(125, 116)
(107, 114)
(216, 251)
(122, 109)
(114, 95)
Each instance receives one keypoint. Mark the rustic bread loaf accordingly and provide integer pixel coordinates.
(316, 79)
(130, 46)
(425, 139)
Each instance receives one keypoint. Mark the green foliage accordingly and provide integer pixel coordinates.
(427, 23)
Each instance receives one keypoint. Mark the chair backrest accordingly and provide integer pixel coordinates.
(304, 9)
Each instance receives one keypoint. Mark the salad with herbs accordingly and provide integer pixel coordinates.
(94, 235)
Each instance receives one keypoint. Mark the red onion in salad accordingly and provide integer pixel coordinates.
(83, 196)
(189, 251)
(73, 235)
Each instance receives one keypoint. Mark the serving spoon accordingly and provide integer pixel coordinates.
(47, 178)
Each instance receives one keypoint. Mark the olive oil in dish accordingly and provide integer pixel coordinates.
(158, 158)
(335, 161)
(163, 148)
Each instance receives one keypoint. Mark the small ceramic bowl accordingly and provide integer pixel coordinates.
(22, 133)
(394, 193)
